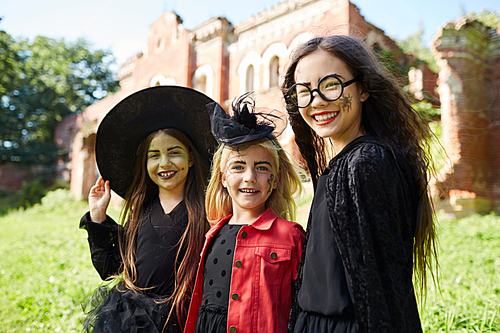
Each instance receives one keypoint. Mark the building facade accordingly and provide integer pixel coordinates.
(220, 59)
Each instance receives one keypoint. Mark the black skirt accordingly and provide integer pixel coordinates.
(111, 311)
(211, 320)
(313, 322)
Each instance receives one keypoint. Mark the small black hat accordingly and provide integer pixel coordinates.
(142, 113)
(244, 126)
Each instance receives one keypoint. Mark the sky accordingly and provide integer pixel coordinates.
(122, 26)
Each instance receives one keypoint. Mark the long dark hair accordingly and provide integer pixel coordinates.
(386, 115)
(144, 189)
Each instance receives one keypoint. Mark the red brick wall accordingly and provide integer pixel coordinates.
(470, 108)
(493, 83)
(171, 60)
(12, 176)
(174, 52)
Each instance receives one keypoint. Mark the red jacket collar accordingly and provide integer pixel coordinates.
(263, 222)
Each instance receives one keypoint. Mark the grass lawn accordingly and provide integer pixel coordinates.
(46, 273)
(45, 267)
(468, 299)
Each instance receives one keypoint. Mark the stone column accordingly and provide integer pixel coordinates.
(467, 94)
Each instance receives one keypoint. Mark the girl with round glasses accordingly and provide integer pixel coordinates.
(330, 88)
(371, 232)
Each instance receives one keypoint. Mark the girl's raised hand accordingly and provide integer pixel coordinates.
(99, 197)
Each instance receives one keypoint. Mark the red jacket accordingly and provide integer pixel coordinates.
(266, 259)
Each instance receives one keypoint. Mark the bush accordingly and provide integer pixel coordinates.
(427, 111)
(8, 201)
(31, 193)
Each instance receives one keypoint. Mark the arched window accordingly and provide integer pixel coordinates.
(274, 72)
(271, 63)
(416, 78)
(160, 45)
(249, 78)
(201, 84)
(161, 80)
(248, 72)
(203, 79)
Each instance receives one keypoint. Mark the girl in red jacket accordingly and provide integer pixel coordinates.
(250, 257)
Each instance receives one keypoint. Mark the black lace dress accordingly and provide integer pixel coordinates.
(118, 309)
(356, 276)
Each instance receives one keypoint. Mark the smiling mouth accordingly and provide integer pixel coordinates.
(248, 191)
(166, 174)
(325, 117)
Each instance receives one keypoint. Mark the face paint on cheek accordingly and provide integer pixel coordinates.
(345, 103)
(270, 182)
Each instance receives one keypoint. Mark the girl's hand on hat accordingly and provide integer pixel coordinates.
(99, 197)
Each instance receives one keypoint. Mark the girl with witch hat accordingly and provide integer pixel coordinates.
(371, 228)
(153, 149)
(250, 257)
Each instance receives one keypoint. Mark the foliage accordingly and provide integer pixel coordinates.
(438, 153)
(395, 61)
(486, 17)
(8, 59)
(8, 200)
(31, 193)
(43, 81)
(427, 111)
(413, 44)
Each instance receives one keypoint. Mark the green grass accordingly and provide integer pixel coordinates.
(468, 299)
(46, 273)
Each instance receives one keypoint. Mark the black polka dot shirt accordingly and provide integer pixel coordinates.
(218, 267)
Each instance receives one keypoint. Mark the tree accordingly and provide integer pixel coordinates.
(7, 60)
(46, 80)
(413, 44)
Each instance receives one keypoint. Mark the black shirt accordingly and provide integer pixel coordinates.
(157, 244)
(218, 267)
(324, 287)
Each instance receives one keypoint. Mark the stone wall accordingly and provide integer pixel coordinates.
(220, 60)
(468, 53)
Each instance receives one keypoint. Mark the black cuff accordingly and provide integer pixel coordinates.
(103, 234)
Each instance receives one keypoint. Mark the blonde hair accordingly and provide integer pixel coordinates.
(218, 202)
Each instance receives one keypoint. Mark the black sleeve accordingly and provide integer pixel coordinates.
(374, 227)
(103, 241)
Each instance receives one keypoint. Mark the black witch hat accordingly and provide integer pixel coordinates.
(142, 113)
(245, 125)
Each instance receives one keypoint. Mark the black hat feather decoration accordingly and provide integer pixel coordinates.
(244, 126)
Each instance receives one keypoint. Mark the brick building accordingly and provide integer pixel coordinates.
(468, 56)
(219, 59)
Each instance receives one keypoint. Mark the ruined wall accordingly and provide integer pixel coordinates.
(215, 58)
(494, 113)
(209, 43)
(467, 53)
(167, 54)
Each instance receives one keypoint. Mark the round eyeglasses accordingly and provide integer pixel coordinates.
(330, 88)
